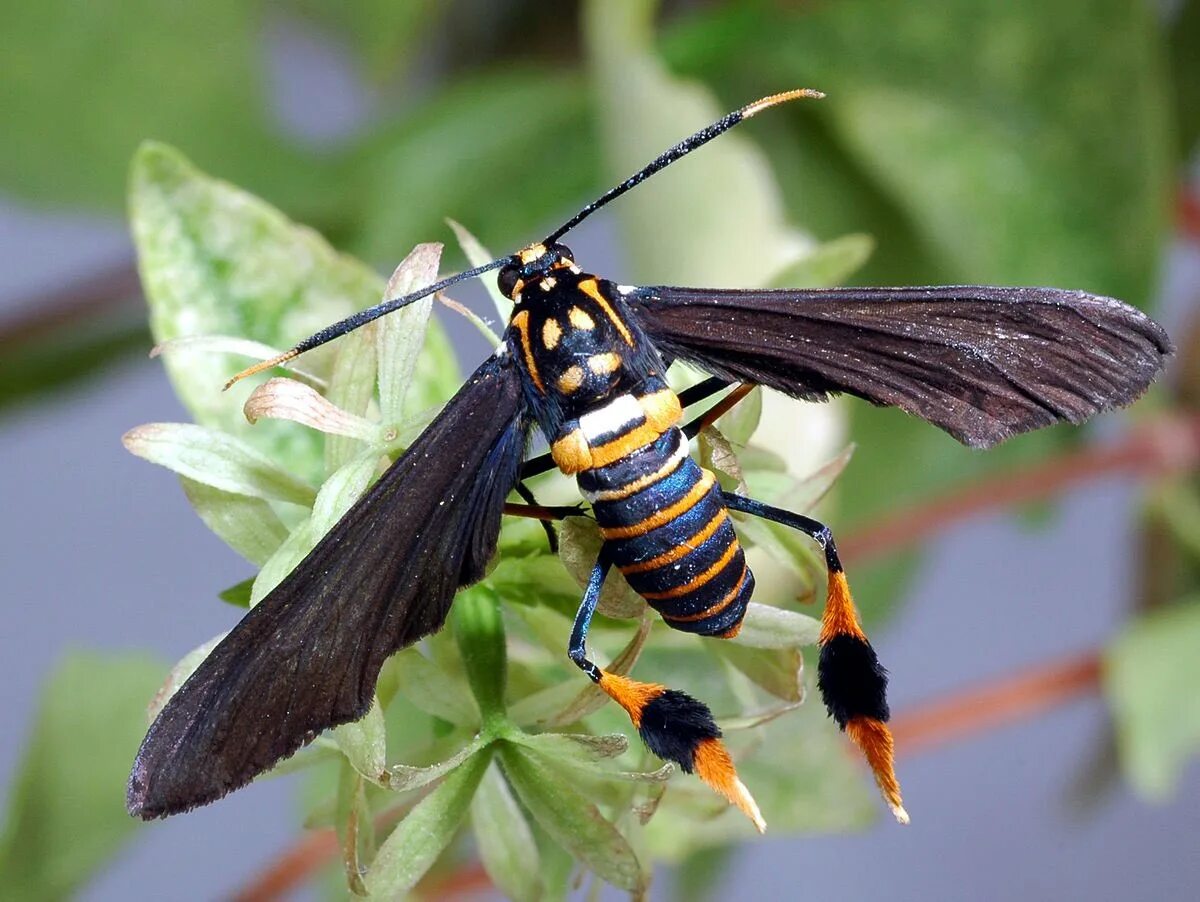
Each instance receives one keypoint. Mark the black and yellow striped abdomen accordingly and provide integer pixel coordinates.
(664, 523)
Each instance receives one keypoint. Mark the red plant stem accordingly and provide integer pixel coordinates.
(1188, 214)
(1167, 445)
(77, 302)
(995, 703)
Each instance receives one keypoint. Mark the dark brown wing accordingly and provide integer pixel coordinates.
(982, 363)
(307, 657)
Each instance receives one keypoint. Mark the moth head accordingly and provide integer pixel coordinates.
(533, 263)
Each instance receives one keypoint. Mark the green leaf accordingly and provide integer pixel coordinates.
(404, 777)
(216, 260)
(479, 632)
(248, 525)
(478, 255)
(238, 594)
(744, 237)
(780, 671)
(830, 264)
(184, 74)
(420, 838)
(400, 336)
(340, 491)
(433, 690)
(505, 841)
(66, 813)
(216, 459)
(571, 819)
(364, 743)
(1149, 677)
(350, 816)
(770, 627)
(351, 388)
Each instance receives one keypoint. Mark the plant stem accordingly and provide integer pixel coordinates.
(1168, 444)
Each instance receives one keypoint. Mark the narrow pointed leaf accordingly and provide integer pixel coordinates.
(433, 690)
(506, 843)
(571, 819)
(216, 459)
(364, 743)
(770, 627)
(400, 336)
(423, 835)
(403, 777)
(288, 399)
(478, 255)
(248, 525)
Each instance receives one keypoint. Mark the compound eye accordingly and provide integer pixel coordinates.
(563, 252)
(507, 279)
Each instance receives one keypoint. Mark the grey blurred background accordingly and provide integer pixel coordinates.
(102, 551)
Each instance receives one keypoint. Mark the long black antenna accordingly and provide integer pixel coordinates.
(354, 320)
(682, 149)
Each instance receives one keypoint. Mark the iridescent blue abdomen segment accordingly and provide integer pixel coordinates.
(667, 530)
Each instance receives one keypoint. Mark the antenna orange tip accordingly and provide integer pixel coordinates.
(753, 109)
(259, 367)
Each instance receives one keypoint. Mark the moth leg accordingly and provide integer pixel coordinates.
(718, 410)
(853, 684)
(674, 726)
(551, 536)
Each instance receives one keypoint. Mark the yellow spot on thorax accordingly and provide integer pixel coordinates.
(571, 379)
(580, 319)
(551, 333)
(603, 364)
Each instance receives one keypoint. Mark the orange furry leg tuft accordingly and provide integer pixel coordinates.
(875, 740)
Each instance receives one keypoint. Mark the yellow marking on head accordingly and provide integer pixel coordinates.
(630, 694)
(518, 287)
(680, 550)
(551, 333)
(666, 515)
(875, 740)
(571, 379)
(531, 253)
(571, 453)
(603, 364)
(840, 619)
(714, 766)
(753, 109)
(521, 321)
(592, 290)
(697, 581)
(661, 408)
(632, 488)
(717, 608)
(548, 282)
(580, 319)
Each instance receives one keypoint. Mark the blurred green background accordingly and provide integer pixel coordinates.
(961, 141)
